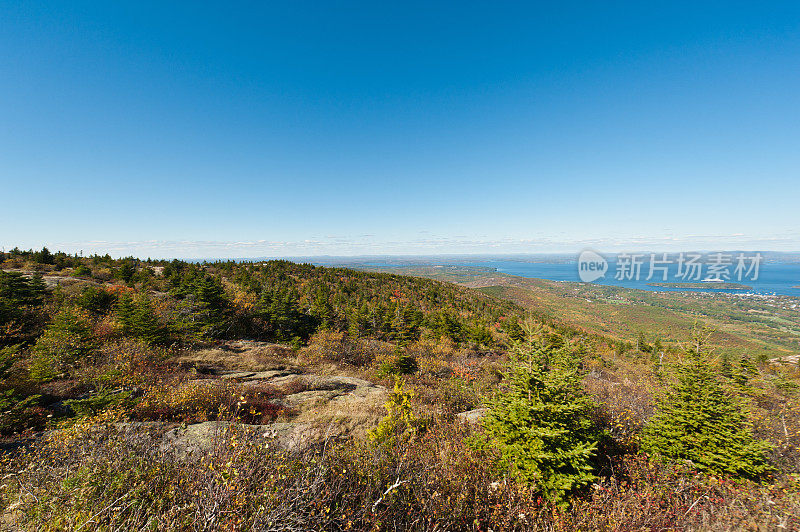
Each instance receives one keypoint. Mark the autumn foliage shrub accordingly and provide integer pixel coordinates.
(203, 400)
(337, 347)
(189, 401)
(96, 479)
(646, 494)
(434, 481)
(623, 404)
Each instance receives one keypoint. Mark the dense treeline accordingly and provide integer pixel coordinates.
(54, 335)
(382, 306)
(169, 301)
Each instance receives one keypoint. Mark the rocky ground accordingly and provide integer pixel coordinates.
(320, 403)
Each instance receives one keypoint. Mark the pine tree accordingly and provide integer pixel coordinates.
(697, 420)
(146, 324)
(127, 270)
(37, 290)
(125, 314)
(725, 366)
(542, 424)
(19, 299)
(746, 369)
(209, 293)
(66, 342)
(321, 308)
(43, 257)
(138, 319)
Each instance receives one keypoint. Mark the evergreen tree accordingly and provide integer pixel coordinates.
(725, 366)
(127, 270)
(17, 290)
(146, 324)
(512, 327)
(481, 335)
(357, 321)
(642, 345)
(542, 424)
(37, 289)
(321, 308)
(43, 257)
(208, 292)
(20, 297)
(125, 314)
(746, 369)
(137, 319)
(66, 342)
(405, 325)
(697, 420)
(96, 299)
(283, 321)
(400, 422)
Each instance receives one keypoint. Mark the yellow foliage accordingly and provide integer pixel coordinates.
(244, 301)
(190, 400)
(400, 420)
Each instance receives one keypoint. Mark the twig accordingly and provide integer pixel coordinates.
(397, 483)
(91, 520)
(695, 502)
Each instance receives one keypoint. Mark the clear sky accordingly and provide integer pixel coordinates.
(204, 129)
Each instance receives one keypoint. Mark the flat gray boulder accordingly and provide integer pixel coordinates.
(336, 382)
(473, 417)
(309, 399)
(202, 438)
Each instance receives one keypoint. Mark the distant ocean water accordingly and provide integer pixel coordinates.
(774, 277)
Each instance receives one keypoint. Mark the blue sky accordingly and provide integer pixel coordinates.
(262, 129)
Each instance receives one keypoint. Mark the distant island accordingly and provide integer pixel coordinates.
(704, 286)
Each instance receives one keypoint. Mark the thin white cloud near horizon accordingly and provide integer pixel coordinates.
(433, 245)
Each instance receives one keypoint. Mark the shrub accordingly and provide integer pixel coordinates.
(403, 363)
(335, 346)
(81, 271)
(190, 401)
(95, 299)
(96, 480)
(91, 477)
(102, 400)
(656, 495)
(458, 395)
(18, 414)
(400, 421)
(195, 401)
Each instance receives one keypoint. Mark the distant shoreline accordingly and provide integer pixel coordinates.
(704, 286)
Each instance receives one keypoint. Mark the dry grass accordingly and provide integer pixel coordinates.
(242, 355)
(433, 481)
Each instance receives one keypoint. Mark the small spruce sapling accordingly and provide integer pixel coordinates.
(698, 420)
(542, 424)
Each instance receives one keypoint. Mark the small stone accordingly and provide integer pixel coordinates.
(473, 416)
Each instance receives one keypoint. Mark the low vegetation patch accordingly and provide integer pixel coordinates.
(491, 419)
